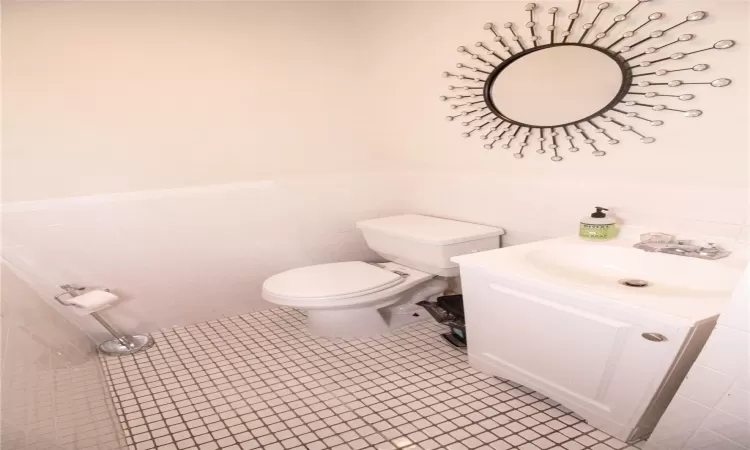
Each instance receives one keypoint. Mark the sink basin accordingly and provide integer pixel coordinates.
(603, 267)
(677, 286)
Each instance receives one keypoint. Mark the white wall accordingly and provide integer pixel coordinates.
(53, 390)
(184, 108)
(712, 407)
(107, 97)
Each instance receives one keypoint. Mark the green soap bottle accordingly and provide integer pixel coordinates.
(598, 226)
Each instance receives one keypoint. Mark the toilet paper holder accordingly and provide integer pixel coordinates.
(122, 344)
(74, 290)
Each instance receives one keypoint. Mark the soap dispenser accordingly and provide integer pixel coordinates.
(598, 226)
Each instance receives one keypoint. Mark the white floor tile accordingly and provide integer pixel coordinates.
(259, 381)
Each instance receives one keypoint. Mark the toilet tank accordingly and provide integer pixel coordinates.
(427, 243)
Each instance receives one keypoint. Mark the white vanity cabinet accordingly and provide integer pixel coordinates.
(617, 367)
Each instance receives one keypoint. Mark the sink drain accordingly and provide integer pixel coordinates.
(633, 282)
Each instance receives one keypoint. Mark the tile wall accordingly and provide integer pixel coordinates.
(52, 392)
(182, 256)
(712, 408)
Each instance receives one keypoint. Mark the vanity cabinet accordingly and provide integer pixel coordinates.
(616, 367)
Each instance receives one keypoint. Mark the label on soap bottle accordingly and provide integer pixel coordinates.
(596, 232)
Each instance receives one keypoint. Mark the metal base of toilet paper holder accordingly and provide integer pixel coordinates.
(122, 344)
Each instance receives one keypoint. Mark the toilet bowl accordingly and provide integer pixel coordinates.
(347, 299)
(361, 299)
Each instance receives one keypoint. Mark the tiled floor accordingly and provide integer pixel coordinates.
(258, 381)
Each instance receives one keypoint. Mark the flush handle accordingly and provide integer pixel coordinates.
(654, 337)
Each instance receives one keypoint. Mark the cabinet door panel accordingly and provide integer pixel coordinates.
(562, 346)
(589, 359)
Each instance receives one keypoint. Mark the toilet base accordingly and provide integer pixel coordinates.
(360, 322)
(357, 322)
(396, 321)
(387, 315)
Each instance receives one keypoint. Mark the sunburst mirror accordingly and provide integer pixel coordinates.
(519, 90)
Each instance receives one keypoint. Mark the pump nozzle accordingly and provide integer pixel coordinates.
(599, 214)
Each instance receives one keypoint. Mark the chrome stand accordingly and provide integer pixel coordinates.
(121, 344)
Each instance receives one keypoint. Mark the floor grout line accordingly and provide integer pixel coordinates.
(269, 385)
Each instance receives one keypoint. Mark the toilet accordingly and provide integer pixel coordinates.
(362, 299)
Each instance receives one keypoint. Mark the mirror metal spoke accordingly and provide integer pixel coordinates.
(662, 72)
(553, 138)
(492, 143)
(474, 56)
(623, 127)
(653, 35)
(721, 45)
(603, 132)
(635, 115)
(531, 24)
(673, 83)
(526, 135)
(492, 129)
(522, 145)
(633, 32)
(569, 137)
(651, 50)
(498, 37)
(587, 27)
(516, 38)
(683, 97)
(495, 139)
(573, 17)
(553, 27)
(473, 69)
(512, 137)
(590, 142)
(553, 146)
(463, 77)
(698, 15)
(541, 139)
(687, 113)
(615, 21)
(489, 51)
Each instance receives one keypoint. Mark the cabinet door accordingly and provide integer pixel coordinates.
(598, 365)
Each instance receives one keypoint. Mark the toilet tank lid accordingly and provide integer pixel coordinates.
(430, 230)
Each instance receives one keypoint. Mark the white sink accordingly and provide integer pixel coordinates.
(602, 267)
(677, 285)
(553, 316)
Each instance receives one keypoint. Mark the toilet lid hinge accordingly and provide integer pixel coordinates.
(397, 272)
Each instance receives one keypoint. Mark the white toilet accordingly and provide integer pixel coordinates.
(359, 299)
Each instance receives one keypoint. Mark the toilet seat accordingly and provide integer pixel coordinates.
(345, 299)
(335, 281)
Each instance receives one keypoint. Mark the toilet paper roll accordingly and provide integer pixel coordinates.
(92, 301)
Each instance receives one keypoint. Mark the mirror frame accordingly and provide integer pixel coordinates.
(484, 119)
(625, 69)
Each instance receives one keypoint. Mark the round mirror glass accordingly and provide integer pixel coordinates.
(555, 85)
